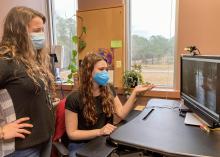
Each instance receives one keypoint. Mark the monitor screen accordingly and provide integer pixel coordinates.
(200, 81)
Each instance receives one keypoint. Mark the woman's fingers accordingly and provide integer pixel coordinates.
(110, 128)
(107, 129)
(23, 131)
(152, 86)
(148, 86)
(21, 120)
(18, 135)
(20, 123)
(25, 125)
(145, 87)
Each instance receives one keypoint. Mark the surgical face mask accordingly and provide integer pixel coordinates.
(38, 40)
(101, 78)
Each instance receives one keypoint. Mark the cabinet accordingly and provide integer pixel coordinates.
(104, 26)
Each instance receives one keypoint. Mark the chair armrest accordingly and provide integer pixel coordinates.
(61, 148)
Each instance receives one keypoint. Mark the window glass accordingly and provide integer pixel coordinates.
(64, 27)
(151, 38)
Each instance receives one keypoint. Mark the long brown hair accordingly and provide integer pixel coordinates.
(17, 44)
(86, 90)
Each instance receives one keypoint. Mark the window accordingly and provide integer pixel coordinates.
(63, 26)
(151, 30)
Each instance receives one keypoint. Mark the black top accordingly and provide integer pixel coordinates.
(74, 104)
(27, 102)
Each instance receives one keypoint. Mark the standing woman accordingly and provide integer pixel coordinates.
(89, 111)
(24, 72)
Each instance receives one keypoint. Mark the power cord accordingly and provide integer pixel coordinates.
(164, 107)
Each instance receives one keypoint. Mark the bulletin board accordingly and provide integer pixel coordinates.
(105, 29)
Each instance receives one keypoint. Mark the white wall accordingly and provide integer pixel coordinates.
(198, 25)
(6, 5)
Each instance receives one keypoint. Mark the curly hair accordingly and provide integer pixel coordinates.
(86, 86)
(16, 44)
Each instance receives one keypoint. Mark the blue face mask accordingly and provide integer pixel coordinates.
(38, 40)
(101, 78)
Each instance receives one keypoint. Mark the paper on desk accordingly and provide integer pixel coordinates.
(139, 107)
(193, 119)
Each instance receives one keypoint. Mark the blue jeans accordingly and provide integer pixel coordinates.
(72, 147)
(42, 150)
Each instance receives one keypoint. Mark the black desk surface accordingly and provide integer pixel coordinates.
(164, 131)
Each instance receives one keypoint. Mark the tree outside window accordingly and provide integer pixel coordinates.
(64, 26)
(152, 29)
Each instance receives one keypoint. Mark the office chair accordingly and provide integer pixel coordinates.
(60, 139)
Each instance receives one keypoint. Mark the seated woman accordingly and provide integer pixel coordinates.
(89, 111)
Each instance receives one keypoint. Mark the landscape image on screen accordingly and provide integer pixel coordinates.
(199, 81)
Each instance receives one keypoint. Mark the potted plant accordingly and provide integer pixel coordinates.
(80, 45)
(132, 78)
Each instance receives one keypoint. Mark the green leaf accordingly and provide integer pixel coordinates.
(69, 81)
(75, 39)
(73, 61)
(84, 30)
(132, 78)
(82, 45)
(69, 66)
(73, 69)
(74, 53)
(70, 76)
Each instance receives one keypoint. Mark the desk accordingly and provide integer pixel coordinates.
(164, 132)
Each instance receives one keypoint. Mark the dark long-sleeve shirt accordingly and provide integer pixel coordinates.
(27, 102)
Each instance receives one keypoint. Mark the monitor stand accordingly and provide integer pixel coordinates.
(183, 107)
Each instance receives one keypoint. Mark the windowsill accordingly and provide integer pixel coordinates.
(163, 93)
(155, 92)
(158, 92)
(65, 86)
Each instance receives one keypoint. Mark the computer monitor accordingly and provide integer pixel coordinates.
(200, 86)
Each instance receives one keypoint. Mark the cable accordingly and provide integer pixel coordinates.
(208, 129)
(164, 107)
(216, 129)
(61, 89)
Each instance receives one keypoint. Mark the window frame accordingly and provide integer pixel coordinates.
(50, 8)
(52, 25)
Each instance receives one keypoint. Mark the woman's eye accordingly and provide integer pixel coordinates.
(101, 69)
(38, 30)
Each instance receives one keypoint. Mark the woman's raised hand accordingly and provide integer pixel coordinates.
(143, 88)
